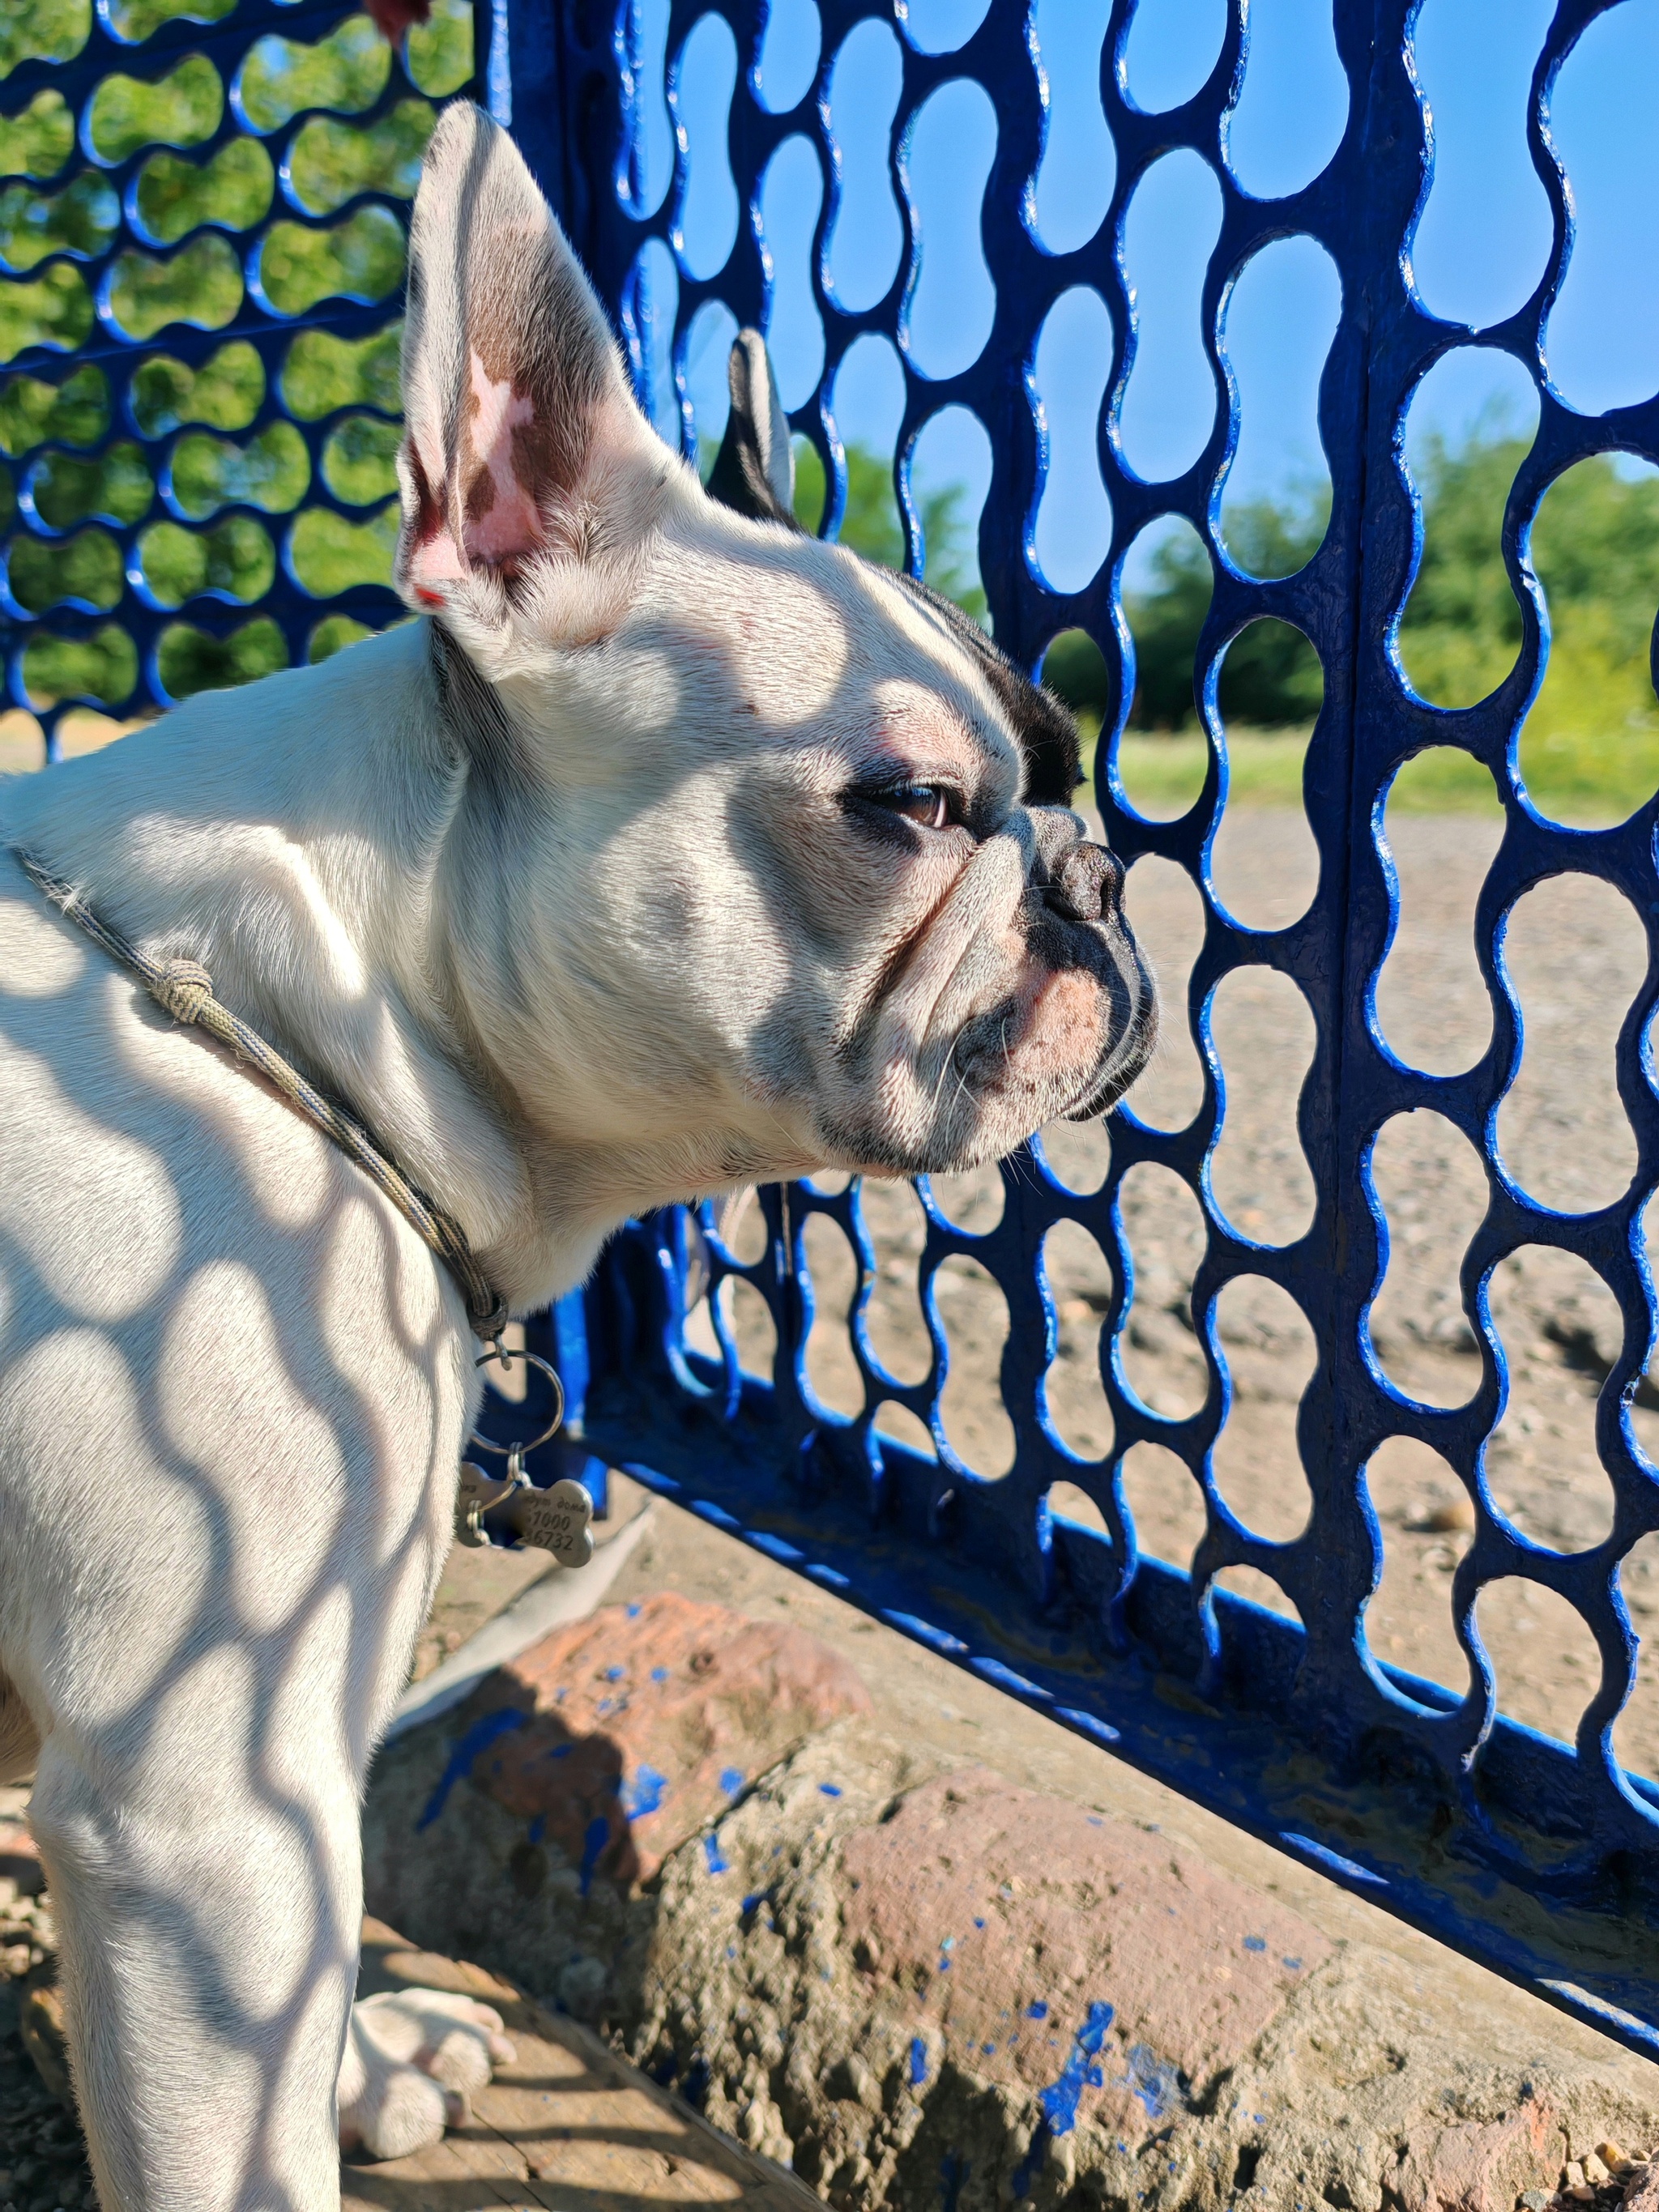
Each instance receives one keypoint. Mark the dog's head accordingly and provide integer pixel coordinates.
(767, 861)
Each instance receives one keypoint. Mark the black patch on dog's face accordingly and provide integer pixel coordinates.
(1043, 728)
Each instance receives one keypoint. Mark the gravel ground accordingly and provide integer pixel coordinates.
(42, 2161)
(1575, 954)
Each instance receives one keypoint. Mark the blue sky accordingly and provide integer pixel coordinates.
(1479, 252)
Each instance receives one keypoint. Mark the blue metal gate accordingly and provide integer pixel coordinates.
(1540, 1858)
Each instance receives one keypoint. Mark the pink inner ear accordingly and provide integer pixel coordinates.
(433, 557)
(504, 521)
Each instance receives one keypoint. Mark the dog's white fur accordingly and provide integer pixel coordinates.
(607, 905)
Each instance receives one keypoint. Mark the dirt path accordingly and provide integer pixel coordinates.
(1575, 952)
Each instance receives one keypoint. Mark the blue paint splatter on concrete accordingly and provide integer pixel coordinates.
(615, 1673)
(643, 1794)
(538, 1827)
(918, 2062)
(953, 2172)
(1154, 2080)
(829, 1789)
(989, 2049)
(1059, 2101)
(634, 1612)
(718, 1861)
(978, 1923)
(731, 1780)
(593, 1841)
(1255, 1942)
(1295, 1964)
(462, 1753)
(1037, 2011)
(558, 1751)
(694, 2087)
(944, 1965)
(660, 1673)
(755, 1897)
(947, 1943)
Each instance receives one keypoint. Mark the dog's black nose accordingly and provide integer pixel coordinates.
(1086, 885)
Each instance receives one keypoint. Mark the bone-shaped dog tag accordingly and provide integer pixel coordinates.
(555, 1520)
(477, 1493)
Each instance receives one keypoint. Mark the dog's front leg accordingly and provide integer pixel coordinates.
(209, 1940)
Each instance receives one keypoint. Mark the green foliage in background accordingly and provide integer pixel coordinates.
(235, 558)
(329, 161)
(84, 571)
(43, 30)
(1589, 747)
(55, 310)
(137, 20)
(189, 661)
(272, 470)
(225, 392)
(362, 259)
(73, 413)
(322, 373)
(871, 523)
(234, 190)
(38, 140)
(101, 669)
(81, 220)
(1271, 677)
(115, 487)
(201, 284)
(180, 109)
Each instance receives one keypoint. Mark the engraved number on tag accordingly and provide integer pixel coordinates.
(555, 1520)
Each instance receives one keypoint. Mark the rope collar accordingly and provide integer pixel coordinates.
(184, 989)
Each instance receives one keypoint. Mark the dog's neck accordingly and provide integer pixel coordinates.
(322, 843)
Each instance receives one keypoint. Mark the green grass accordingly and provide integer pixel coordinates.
(1583, 779)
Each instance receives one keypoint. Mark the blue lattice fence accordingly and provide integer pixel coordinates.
(1538, 1857)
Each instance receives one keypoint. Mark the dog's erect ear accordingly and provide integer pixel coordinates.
(755, 470)
(515, 397)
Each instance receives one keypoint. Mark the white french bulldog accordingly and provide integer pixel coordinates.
(674, 851)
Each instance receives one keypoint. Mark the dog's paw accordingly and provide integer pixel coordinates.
(414, 2059)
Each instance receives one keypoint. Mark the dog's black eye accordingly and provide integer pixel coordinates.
(929, 805)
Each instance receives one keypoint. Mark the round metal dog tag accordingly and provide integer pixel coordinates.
(555, 1520)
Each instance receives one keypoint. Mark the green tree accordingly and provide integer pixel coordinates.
(1595, 548)
(870, 524)
(1271, 675)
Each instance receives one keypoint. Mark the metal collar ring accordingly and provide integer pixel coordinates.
(506, 1359)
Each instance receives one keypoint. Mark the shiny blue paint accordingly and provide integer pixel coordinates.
(1422, 1797)
(463, 1754)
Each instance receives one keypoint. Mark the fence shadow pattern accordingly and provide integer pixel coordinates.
(125, 413)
